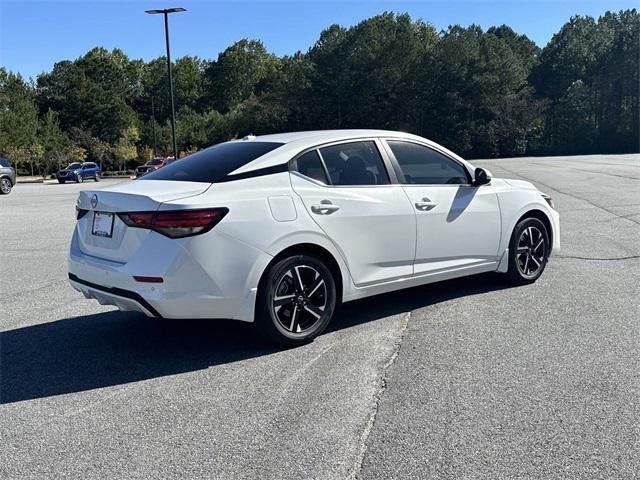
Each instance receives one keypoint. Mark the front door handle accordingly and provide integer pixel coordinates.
(426, 204)
(325, 208)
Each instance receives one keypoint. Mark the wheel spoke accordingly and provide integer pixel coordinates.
(530, 231)
(313, 310)
(535, 249)
(315, 286)
(283, 300)
(526, 263)
(522, 249)
(536, 262)
(298, 278)
(293, 318)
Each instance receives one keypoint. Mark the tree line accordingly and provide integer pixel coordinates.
(480, 93)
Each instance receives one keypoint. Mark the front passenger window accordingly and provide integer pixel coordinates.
(425, 166)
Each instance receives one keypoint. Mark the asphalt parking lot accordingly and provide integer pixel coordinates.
(466, 379)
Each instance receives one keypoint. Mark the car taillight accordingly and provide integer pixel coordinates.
(176, 224)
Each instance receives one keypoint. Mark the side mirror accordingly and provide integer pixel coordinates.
(481, 177)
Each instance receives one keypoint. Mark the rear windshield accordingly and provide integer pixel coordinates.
(155, 161)
(214, 163)
(4, 163)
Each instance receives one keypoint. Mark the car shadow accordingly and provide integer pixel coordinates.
(463, 197)
(94, 351)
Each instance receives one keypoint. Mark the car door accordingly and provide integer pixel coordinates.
(347, 191)
(458, 224)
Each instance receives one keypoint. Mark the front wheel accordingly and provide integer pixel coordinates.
(5, 186)
(79, 179)
(529, 250)
(296, 300)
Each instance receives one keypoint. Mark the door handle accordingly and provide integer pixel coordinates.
(325, 208)
(426, 204)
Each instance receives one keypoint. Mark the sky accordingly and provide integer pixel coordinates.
(34, 34)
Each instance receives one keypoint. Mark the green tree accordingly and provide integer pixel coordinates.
(18, 120)
(239, 72)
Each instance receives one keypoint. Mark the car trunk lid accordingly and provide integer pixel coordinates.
(108, 237)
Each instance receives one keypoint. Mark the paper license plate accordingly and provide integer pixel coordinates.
(102, 224)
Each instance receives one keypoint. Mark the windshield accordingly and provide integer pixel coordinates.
(74, 166)
(214, 163)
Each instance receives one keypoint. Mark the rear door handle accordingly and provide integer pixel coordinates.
(325, 208)
(426, 204)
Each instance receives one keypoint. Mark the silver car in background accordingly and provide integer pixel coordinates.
(7, 177)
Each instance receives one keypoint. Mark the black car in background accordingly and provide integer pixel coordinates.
(7, 177)
(79, 172)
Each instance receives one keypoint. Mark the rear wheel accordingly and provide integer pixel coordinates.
(528, 251)
(79, 178)
(5, 186)
(296, 300)
(60, 181)
(97, 177)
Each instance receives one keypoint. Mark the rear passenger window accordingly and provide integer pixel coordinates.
(355, 163)
(310, 166)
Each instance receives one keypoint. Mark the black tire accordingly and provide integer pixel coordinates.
(79, 179)
(96, 178)
(60, 181)
(289, 315)
(5, 186)
(529, 250)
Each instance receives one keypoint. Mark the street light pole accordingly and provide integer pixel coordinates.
(166, 12)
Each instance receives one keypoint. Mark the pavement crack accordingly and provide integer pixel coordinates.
(576, 197)
(602, 259)
(382, 386)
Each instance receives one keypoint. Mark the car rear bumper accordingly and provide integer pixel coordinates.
(207, 276)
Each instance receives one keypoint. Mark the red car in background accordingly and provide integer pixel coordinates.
(152, 165)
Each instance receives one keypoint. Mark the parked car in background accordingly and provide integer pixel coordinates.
(151, 166)
(280, 229)
(7, 177)
(79, 172)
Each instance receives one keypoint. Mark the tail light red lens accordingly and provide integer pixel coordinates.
(176, 224)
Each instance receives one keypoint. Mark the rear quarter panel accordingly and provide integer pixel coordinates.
(253, 221)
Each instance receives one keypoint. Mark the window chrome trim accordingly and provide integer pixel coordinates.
(377, 141)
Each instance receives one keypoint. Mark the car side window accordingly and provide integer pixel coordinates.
(355, 163)
(310, 165)
(425, 166)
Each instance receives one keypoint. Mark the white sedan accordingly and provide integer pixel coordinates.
(279, 229)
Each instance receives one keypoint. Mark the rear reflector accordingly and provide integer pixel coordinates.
(178, 223)
(140, 278)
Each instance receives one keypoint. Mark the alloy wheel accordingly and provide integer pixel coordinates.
(5, 186)
(531, 251)
(300, 299)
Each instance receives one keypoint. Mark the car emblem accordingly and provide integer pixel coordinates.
(94, 201)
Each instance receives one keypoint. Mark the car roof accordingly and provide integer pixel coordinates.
(315, 136)
(296, 142)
